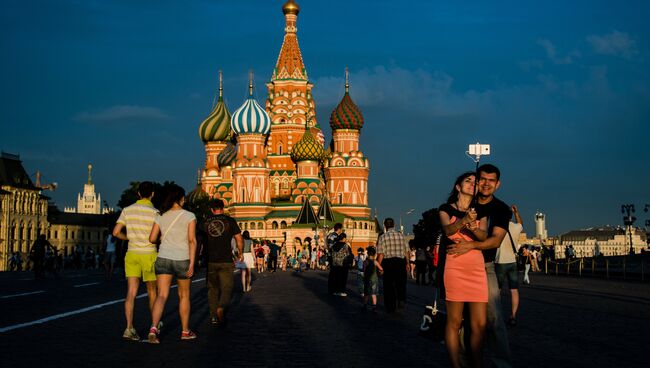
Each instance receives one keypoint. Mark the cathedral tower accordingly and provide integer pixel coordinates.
(347, 169)
(250, 167)
(290, 105)
(215, 133)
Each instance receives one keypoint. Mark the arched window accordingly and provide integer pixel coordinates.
(260, 225)
(274, 225)
(283, 225)
(365, 226)
(279, 148)
(252, 226)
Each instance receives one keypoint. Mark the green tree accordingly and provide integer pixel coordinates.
(427, 229)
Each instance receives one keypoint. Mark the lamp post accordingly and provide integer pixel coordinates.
(627, 210)
(401, 228)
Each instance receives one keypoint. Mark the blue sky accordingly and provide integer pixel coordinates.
(560, 90)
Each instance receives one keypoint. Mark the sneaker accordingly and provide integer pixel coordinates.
(188, 335)
(131, 334)
(153, 336)
(214, 320)
(160, 326)
(343, 294)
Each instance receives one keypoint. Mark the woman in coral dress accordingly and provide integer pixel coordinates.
(465, 279)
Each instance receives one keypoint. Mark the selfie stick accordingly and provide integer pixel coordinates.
(475, 152)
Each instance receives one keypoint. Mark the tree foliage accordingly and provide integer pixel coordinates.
(427, 229)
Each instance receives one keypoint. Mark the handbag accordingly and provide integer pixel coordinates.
(520, 264)
(433, 321)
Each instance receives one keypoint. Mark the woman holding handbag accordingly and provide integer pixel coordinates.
(465, 279)
(175, 259)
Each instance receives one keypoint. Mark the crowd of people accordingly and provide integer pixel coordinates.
(474, 257)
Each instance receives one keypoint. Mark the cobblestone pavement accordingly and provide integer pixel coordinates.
(289, 320)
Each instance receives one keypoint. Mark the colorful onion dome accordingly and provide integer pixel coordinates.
(250, 118)
(198, 195)
(307, 148)
(227, 155)
(346, 115)
(216, 127)
(290, 7)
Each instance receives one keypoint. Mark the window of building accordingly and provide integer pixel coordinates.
(274, 225)
(283, 225)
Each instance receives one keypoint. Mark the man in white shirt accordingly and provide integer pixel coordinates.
(506, 262)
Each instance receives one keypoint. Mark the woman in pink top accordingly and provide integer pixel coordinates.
(465, 279)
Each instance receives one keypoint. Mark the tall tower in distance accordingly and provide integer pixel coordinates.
(540, 226)
(89, 201)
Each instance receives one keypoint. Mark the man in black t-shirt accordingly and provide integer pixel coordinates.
(220, 230)
(498, 214)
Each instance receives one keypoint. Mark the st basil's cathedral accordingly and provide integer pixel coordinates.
(270, 167)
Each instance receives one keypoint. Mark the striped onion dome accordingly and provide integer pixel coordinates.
(307, 148)
(216, 127)
(346, 115)
(227, 155)
(250, 118)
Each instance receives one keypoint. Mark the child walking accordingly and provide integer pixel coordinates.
(371, 271)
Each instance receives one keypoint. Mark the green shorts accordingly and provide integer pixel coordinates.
(140, 265)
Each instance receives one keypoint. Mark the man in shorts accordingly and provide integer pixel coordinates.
(138, 219)
(221, 229)
(505, 264)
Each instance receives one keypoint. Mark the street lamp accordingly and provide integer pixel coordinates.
(627, 210)
(401, 228)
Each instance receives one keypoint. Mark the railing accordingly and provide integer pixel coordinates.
(628, 267)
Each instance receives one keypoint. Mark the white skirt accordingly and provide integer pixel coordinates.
(249, 260)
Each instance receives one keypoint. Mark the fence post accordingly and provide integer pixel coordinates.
(546, 266)
(568, 267)
(556, 267)
(642, 276)
(607, 268)
(624, 267)
(593, 265)
(580, 269)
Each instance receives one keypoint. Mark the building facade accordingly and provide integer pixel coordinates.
(23, 209)
(606, 241)
(268, 163)
(89, 202)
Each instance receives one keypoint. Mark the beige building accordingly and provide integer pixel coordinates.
(23, 209)
(68, 230)
(608, 241)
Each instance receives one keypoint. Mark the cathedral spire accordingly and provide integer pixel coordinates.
(347, 80)
(290, 65)
(220, 86)
(90, 170)
(250, 83)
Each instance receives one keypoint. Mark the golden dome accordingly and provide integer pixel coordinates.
(290, 7)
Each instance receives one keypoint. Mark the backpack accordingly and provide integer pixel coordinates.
(340, 258)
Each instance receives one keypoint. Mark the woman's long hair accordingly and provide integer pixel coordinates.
(453, 195)
(175, 193)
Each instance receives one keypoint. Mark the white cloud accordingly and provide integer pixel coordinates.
(615, 43)
(551, 53)
(122, 112)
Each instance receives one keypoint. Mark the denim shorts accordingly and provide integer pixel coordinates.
(509, 271)
(166, 266)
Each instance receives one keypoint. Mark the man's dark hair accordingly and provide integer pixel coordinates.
(145, 189)
(389, 223)
(216, 203)
(342, 236)
(338, 226)
(489, 169)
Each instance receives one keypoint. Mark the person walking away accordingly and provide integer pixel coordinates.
(177, 229)
(498, 214)
(220, 229)
(273, 256)
(412, 262)
(338, 277)
(393, 253)
(109, 254)
(465, 278)
(371, 271)
(138, 219)
(505, 263)
(420, 266)
(359, 262)
(259, 256)
(249, 261)
(527, 256)
(37, 255)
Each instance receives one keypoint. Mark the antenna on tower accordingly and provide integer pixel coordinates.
(347, 80)
(250, 83)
